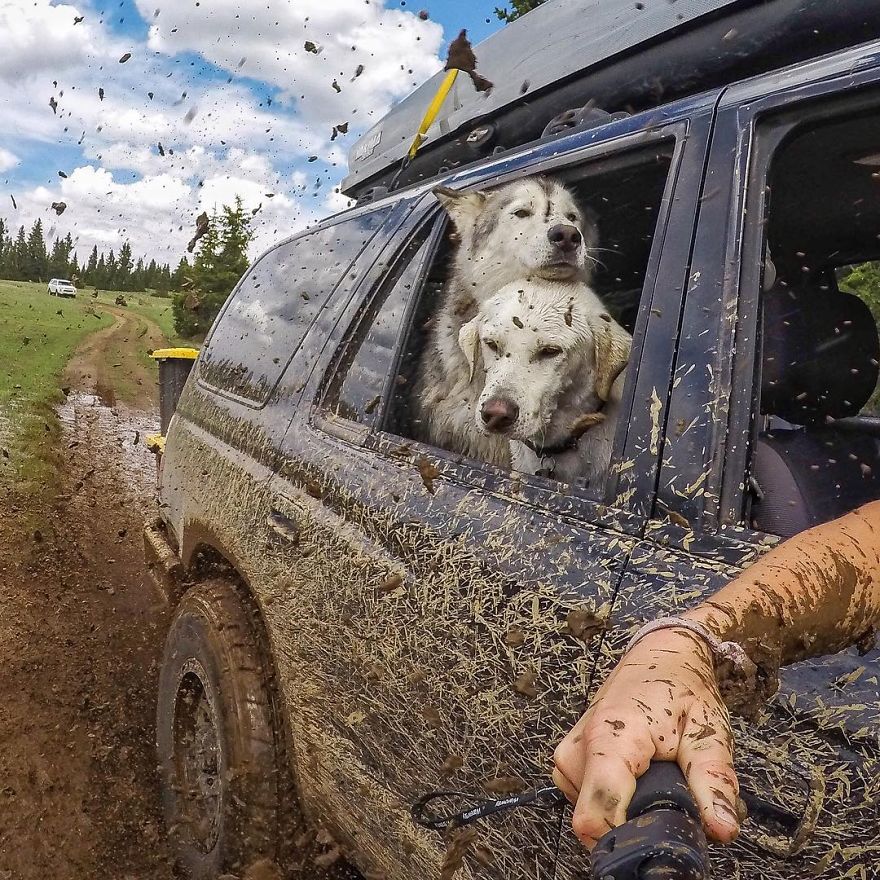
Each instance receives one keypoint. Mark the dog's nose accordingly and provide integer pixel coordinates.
(499, 414)
(564, 236)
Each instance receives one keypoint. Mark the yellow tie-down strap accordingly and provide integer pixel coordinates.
(155, 443)
(432, 111)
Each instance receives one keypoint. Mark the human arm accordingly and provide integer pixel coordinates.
(815, 594)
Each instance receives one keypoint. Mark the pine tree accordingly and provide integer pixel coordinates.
(26, 258)
(519, 8)
(181, 273)
(110, 272)
(124, 265)
(137, 276)
(59, 261)
(99, 279)
(220, 261)
(92, 266)
(19, 258)
(37, 260)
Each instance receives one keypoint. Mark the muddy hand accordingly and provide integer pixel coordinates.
(661, 702)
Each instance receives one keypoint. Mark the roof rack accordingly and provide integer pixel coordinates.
(572, 64)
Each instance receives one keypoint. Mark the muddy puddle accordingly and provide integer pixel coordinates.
(117, 433)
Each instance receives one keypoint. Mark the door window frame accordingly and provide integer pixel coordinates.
(728, 268)
(348, 429)
(356, 263)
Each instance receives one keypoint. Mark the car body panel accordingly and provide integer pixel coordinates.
(389, 625)
(241, 434)
(407, 593)
(822, 725)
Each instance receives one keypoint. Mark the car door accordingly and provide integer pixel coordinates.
(440, 618)
(224, 439)
(809, 763)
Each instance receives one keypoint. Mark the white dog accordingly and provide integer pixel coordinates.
(554, 363)
(528, 229)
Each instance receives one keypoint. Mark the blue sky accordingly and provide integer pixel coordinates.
(231, 91)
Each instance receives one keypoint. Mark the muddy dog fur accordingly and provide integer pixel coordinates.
(502, 235)
(554, 362)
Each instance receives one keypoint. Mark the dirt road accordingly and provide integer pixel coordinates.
(111, 364)
(80, 638)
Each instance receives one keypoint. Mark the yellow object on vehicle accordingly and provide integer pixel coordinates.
(175, 365)
(187, 354)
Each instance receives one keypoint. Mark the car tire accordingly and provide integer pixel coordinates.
(226, 788)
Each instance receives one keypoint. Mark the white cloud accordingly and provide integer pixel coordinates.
(8, 160)
(248, 137)
(157, 212)
(394, 50)
(36, 37)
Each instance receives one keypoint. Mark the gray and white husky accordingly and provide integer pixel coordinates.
(531, 229)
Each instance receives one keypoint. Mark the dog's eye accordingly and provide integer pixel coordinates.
(492, 345)
(547, 352)
(522, 213)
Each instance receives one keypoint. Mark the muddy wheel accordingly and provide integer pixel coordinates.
(224, 781)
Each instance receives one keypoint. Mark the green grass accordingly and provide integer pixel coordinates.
(154, 308)
(36, 342)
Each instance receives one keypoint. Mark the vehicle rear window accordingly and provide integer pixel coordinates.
(263, 325)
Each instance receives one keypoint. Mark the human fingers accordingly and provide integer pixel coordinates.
(608, 787)
(705, 755)
(565, 786)
(615, 748)
(568, 758)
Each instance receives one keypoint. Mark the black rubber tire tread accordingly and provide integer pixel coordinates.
(218, 627)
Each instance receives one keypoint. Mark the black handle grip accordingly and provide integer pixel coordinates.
(662, 786)
(663, 837)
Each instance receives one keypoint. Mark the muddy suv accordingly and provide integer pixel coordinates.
(361, 617)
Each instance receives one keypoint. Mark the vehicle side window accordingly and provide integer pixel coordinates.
(622, 197)
(386, 378)
(362, 372)
(817, 453)
(264, 324)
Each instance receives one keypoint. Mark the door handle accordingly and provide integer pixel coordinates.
(284, 527)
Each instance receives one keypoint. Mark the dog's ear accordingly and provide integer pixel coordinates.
(469, 342)
(462, 207)
(611, 347)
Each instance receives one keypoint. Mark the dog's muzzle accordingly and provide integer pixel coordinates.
(498, 414)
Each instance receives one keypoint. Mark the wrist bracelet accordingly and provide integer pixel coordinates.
(731, 652)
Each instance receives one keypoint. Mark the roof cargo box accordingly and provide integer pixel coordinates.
(616, 55)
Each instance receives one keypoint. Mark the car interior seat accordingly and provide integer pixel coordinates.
(821, 355)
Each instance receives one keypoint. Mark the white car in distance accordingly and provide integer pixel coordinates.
(60, 287)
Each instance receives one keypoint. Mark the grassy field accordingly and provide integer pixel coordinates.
(38, 335)
(153, 308)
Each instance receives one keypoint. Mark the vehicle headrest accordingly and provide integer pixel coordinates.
(821, 355)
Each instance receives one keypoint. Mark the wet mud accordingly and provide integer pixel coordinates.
(80, 640)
